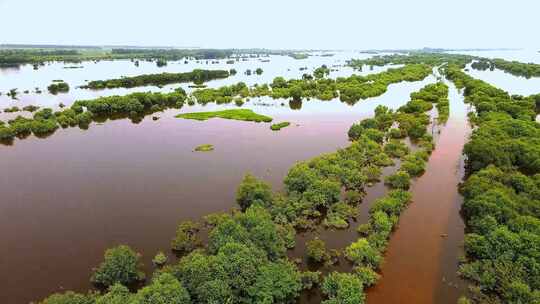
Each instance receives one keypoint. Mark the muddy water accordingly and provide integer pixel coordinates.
(421, 260)
(67, 198)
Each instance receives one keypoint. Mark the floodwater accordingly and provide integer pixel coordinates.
(68, 197)
(421, 261)
(522, 55)
(25, 78)
(512, 84)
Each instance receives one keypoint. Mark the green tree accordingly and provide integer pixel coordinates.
(252, 190)
(121, 265)
(164, 289)
(186, 238)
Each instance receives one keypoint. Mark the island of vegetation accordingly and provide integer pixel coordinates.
(235, 114)
(197, 76)
(58, 87)
(204, 148)
(299, 56)
(12, 57)
(279, 126)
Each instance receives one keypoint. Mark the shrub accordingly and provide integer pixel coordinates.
(362, 253)
(316, 250)
(186, 238)
(252, 190)
(343, 288)
(160, 259)
(121, 265)
(399, 180)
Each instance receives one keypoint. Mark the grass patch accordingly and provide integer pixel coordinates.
(204, 148)
(279, 126)
(236, 114)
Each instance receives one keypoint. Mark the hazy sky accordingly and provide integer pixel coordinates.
(330, 24)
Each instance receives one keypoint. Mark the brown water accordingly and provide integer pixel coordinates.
(67, 198)
(421, 260)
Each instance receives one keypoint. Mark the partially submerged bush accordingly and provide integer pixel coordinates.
(121, 265)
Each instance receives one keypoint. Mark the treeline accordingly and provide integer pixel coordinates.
(197, 76)
(502, 195)
(16, 57)
(516, 68)
(348, 89)
(45, 121)
(433, 59)
(173, 54)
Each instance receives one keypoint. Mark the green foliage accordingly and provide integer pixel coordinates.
(343, 288)
(279, 126)
(310, 279)
(253, 191)
(338, 215)
(121, 265)
(276, 283)
(164, 289)
(116, 294)
(197, 76)
(204, 148)
(396, 148)
(69, 297)
(415, 164)
(362, 253)
(367, 275)
(254, 228)
(501, 194)
(399, 180)
(57, 87)
(316, 250)
(186, 238)
(160, 259)
(235, 114)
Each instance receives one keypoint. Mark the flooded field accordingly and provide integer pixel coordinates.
(69, 196)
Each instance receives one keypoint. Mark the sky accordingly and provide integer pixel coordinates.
(276, 24)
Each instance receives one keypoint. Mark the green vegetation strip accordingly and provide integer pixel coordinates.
(235, 114)
(513, 67)
(198, 76)
(279, 126)
(502, 194)
(204, 148)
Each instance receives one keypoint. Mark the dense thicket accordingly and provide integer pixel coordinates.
(502, 195)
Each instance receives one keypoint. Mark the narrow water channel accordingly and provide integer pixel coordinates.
(421, 260)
